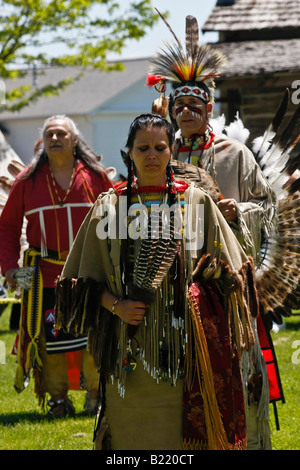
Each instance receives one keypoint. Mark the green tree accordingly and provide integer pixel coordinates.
(82, 33)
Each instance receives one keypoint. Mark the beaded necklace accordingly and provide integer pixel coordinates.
(88, 191)
(62, 200)
(161, 333)
(196, 141)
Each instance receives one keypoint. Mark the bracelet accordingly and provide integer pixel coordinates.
(114, 305)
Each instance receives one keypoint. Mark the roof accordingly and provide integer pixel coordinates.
(85, 95)
(254, 57)
(254, 15)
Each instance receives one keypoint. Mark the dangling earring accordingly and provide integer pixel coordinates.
(133, 180)
(209, 128)
(132, 171)
(171, 178)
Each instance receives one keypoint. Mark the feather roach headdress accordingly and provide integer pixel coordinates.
(190, 70)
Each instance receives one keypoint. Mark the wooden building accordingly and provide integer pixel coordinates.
(261, 39)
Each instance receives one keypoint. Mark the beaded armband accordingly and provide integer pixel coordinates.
(114, 305)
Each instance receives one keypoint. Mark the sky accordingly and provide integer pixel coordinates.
(154, 39)
(178, 10)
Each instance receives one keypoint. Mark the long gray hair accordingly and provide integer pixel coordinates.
(81, 151)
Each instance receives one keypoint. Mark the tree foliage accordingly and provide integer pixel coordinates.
(81, 33)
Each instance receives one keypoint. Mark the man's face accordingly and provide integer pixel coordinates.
(191, 115)
(58, 139)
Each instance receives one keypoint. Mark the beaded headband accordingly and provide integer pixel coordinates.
(190, 70)
(195, 91)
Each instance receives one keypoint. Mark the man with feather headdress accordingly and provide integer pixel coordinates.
(247, 201)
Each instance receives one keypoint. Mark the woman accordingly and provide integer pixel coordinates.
(162, 387)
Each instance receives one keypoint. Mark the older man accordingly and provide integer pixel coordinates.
(54, 194)
(247, 205)
(247, 202)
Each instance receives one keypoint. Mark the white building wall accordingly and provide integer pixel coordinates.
(111, 123)
(105, 129)
(22, 135)
(110, 134)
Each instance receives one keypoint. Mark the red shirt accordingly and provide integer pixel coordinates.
(36, 199)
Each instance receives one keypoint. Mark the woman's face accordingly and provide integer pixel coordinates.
(151, 154)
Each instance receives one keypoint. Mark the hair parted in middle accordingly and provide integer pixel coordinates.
(145, 121)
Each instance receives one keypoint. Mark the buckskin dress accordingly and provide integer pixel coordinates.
(174, 382)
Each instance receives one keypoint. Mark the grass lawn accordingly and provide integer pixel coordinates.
(23, 426)
(287, 347)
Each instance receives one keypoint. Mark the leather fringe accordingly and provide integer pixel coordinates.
(39, 387)
(78, 311)
(217, 439)
(240, 297)
(241, 303)
(77, 301)
(193, 444)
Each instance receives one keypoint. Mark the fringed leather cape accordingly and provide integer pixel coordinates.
(239, 177)
(218, 272)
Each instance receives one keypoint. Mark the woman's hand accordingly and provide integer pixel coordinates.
(130, 311)
(228, 209)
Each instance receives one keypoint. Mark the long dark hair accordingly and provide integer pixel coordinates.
(142, 122)
(81, 151)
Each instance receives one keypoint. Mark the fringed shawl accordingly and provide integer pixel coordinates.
(239, 177)
(94, 264)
